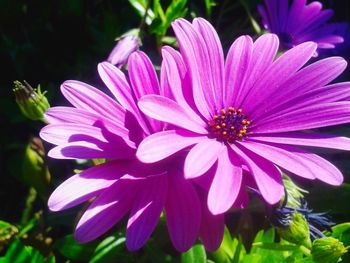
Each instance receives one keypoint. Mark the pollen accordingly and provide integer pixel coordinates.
(229, 125)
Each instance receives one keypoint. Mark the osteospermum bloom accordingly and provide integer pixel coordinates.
(98, 127)
(248, 113)
(300, 22)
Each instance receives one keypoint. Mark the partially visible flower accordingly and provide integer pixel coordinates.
(327, 250)
(32, 103)
(97, 126)
(250, 112)
(123, 49)
(300, 22)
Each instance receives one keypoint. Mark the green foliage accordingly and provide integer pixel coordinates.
(19, 253)
(109, 250)
(71, 249)
(195, 255)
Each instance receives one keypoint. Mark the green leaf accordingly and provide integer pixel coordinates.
(19, 253)
(195, 255)
(208, 7)
(71, 249)
(141, 6)
(109, 250)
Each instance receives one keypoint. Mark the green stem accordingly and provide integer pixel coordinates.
(305, 250)
(31, 197)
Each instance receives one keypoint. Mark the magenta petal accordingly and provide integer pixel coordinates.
(163, 144)
(88, 150)
(263, 52)
(212, 227)
(182, 211)
(237, 64)
(195, 55)
(85, 185)
(144, 80)
(297, 161)
(84, 96)
(277, 74)
(308, 117)
(164, 109)
(226, 184)
(201, 157)
(266, 175)
(107, 209)
(305, 139)
(146, 210)
(63, 115)
(178, 83)
(215, 58)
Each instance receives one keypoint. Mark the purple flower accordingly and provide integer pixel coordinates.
(300, 23)
(248, 113)
(98, 127)
(122, 50)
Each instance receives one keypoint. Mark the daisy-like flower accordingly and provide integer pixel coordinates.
(248, 113)
(300, 22)
(98, 127)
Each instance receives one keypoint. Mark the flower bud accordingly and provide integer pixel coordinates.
(327, 250)
(32, 103)
(122, 50)
(298, 230)
(294, 192)
(34, 170)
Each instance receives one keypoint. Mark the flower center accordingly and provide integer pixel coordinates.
(228, 125)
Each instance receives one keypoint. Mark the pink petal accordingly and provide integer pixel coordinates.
(297, 161)
(88, 150)
(308, 117)
(63, 115)
(263, 54)
(85, 185)
(178, 83)
(211, 231)
(305, 139)
(163, 144)
(144, 80)
(182, 211)
(201, 157)
(107, 209)
(237, 64)
(215, 56)
(146, 210)
(73, 132)
(164, 109)
(276, 75)
(117, 83)
(84, 96)
(195, 55)
(266, 175)
(306, 80)
(226, 184)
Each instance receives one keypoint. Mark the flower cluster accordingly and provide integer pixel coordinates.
(192, 142)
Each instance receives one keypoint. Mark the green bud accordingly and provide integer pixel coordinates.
(294, 192)
(327, 250)
(34, 170)
(297, 232)
(32, 103)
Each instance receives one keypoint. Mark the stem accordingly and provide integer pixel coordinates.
(31, 197)
(305, 250)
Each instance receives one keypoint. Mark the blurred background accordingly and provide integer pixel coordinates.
(48, 42)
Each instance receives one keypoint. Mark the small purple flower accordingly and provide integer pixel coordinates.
(248, 113)
(122, 50)
(300, 22)
(98, 127)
